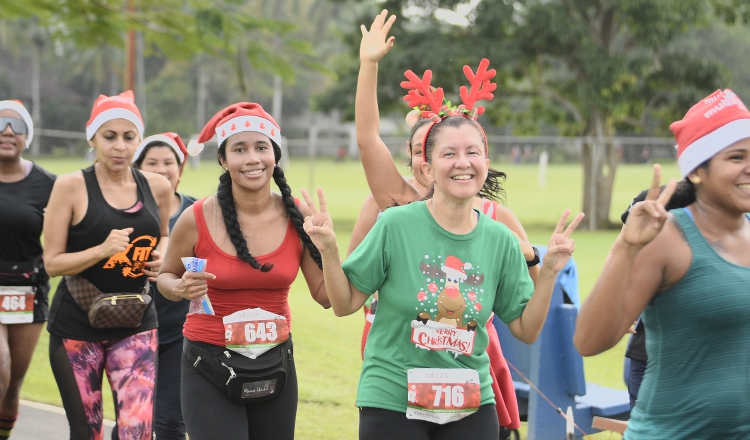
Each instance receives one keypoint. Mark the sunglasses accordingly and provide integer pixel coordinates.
(17, 125)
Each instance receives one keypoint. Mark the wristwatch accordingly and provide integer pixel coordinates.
(533, 262)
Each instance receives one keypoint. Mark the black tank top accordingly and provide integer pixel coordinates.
(123, 272)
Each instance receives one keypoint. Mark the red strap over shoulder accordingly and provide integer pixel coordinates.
(489, 208)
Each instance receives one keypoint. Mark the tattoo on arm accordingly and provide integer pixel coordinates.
(679, 228)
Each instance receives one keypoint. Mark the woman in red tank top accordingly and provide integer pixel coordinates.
(254, 244)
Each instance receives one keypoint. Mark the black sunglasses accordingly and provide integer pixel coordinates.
(17, 125)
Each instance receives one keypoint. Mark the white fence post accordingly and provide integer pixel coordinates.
(543, 162)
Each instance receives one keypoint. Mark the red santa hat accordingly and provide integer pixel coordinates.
(455, 264)
(107, 108)
(237, 118)
(18, 107)
(169, 138)
(711, 125)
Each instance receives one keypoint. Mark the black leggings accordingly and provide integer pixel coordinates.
(378, 424)
(168, 422)
(209, 414)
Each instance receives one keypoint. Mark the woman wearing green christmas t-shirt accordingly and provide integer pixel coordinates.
(440, 268)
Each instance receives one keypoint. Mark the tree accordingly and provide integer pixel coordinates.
(600, 67)
(595, 68)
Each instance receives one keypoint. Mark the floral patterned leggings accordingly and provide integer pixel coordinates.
(130, 364)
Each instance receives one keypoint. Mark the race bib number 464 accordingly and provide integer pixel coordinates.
(252, 332)
(16, 304)
(442, 395)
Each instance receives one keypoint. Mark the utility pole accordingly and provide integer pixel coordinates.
(130, 53)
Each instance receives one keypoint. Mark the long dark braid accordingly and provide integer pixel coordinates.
(293, 211)
(229, 212)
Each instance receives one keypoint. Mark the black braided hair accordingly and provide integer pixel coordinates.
(492, 188)
(229, 212)
(293, 211)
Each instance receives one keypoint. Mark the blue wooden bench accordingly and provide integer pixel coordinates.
(555, 367)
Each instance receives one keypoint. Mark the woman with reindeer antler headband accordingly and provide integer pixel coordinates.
(386, 184)
(440, 268)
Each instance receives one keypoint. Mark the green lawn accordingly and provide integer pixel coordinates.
(326, 347)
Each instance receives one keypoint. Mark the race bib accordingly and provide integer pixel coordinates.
(442, 395)
(16, 304)
(252, 332)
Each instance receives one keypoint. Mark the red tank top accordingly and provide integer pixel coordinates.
(238, 286)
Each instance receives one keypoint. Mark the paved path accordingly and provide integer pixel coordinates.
(38, 421)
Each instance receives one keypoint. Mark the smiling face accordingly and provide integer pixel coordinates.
(161, 159)
(11, 144)
(115, 143)
(249, 159)
(725, 182)
(458, 165)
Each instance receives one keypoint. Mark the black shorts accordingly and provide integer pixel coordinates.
(41, 303)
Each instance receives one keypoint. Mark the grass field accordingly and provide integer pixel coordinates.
(326, 347)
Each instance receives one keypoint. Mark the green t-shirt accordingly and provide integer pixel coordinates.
(428, 277)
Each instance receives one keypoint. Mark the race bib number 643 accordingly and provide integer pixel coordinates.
(252, 332)
(442, 395)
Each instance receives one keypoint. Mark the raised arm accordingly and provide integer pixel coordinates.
(506, 217)
(633, 272)
(527, 327)
(368, 215)
(381, 172)
(312, 273)
(344, 297)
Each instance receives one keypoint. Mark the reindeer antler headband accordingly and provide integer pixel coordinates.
(422, 95)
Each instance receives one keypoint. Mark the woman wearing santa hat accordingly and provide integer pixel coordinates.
(238, 374)
(104, 230)
(686, 272)
(25, 188)
(165, 154)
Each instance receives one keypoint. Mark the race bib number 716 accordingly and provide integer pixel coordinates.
(442, 395)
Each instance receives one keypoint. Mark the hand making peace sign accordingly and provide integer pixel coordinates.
(561, 246)
(318, 224)
(647, 218)
(375, 42)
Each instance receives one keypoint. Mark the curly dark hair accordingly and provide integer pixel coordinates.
(229, 212)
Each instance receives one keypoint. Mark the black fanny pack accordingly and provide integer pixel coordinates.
(245, 380)
(23, 273)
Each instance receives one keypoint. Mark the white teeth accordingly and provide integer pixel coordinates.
(744, 186)
(252, 173)
(461, 177)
